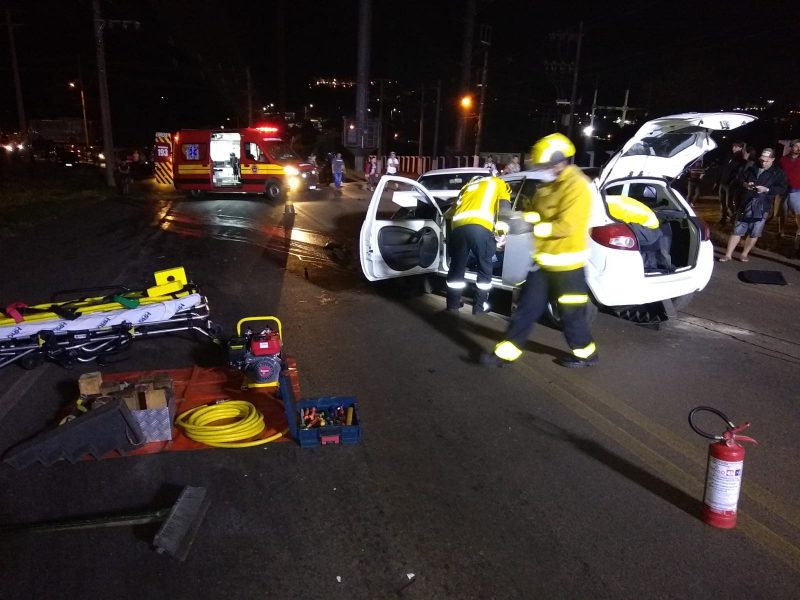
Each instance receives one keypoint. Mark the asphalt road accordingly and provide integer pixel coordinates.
(525, 482)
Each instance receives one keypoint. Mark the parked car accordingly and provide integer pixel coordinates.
(413, 240)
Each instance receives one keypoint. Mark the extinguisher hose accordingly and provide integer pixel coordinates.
(730, 435)
(229, 424)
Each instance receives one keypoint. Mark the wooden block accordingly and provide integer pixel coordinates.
(155, 398)
(90, 383)
(131, 398)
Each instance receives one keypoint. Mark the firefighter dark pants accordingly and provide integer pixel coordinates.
(541, 286)
(481, 242)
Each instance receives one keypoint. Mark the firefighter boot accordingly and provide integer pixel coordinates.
(453, 300)
(481, 304)
(574, 362)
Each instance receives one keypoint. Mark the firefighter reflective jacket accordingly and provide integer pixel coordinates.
(628, 210)
(479, 203)
(561, 221)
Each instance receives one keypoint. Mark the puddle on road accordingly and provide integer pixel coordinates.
(310, 254)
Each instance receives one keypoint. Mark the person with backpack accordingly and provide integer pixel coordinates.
(761, 184)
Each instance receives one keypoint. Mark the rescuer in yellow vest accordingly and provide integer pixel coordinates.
(560, 219)
(475, 220)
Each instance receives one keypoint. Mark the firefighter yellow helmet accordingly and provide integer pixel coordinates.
(551, 149)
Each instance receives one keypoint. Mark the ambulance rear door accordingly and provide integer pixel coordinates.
(191, 160)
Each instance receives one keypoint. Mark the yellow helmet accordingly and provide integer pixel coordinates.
(551, 149)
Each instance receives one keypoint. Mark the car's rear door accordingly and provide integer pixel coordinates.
(402, 231)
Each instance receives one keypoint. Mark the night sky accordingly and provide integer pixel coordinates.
(185, 66)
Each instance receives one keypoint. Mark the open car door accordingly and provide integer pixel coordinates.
(402, 231)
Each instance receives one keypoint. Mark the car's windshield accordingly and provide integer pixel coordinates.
(443, 181)
(280, 150)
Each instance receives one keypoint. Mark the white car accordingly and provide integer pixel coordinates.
(446, 183)
(413, 241)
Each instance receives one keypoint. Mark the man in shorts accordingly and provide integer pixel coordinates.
(790, 164)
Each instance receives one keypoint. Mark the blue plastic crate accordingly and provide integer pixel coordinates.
(330, 434)
(319, 436)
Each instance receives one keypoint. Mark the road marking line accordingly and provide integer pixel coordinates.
(678, 477)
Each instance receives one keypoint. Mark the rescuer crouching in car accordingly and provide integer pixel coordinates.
(475, 220)
(655, 239)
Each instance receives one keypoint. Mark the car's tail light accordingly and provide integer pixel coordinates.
(616, 235)
(702, 227)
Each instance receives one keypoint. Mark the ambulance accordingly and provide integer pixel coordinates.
(246, 161)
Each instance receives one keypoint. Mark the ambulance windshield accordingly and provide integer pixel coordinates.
(280, 150)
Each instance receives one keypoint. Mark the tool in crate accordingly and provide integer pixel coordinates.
(83, 328)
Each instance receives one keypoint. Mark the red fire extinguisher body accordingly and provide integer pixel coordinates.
(723, 483)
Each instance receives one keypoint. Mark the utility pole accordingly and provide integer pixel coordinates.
(23, 125)
(83, 104)
(105, 108)
(486, 41)
(435, 152)
(421, 118)
(105, 105)
(570, 128)
(364, 26)
(249, 97)
(624, 109)
(466, 69)
(380, 118)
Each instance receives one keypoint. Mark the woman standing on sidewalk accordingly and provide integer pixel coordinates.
(761, 183)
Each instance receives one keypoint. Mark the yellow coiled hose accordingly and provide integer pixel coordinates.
(198, 424)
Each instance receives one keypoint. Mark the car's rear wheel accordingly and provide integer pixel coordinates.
(645, 314)
(681, 302)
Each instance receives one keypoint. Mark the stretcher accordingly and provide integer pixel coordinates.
(84, 328)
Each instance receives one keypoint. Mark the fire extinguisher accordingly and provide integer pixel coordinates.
(723, 471)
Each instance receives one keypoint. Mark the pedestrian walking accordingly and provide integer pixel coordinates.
(337, 168)
(392, 164)
(512, 167)
(727, 182)
(475, 220)
(372, 172)
(560, 218)
(790, 164)
(761, 183)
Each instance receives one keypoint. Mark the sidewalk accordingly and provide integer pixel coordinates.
(769, 246)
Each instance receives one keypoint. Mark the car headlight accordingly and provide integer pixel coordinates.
(294, 183)
(289, 170)
(101, 156)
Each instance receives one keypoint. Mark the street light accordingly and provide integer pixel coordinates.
(466, 102)
(83, 107)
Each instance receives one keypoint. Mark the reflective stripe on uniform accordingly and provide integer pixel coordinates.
(585, 352)
(507, 351)
(484, 286)
(531, 217)
(561, 260)
(456, 285)
(543, 230)
(485, 214)
(573, 299)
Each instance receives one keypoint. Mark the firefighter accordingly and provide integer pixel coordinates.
(475, 221)
(560, 217)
